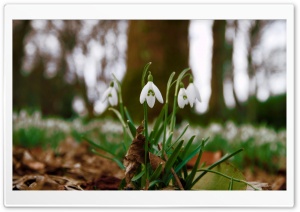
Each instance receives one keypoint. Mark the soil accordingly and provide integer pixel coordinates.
(74, 167)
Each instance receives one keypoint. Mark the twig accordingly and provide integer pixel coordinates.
(172, 170)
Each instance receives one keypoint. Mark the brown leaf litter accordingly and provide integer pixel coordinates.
(71, 167)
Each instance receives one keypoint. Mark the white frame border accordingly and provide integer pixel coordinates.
(147, 198)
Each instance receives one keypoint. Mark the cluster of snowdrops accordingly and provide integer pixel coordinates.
(155, 159)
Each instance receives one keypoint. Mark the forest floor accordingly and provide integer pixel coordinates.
(73, 167)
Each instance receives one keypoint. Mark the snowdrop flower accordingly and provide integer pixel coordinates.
(111, 95)
(192, 93)
(182, 97)
(150, 92)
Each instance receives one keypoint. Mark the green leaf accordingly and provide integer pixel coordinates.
(156, 173)
(172, 158)
(230, 184)
(185, 129)
(191, 176)
(122, 184)
(159, 121)
(98, 146)
(186, 148)
(131, 128)
(188, 158)
(168, 143)
(119, 163)
(121, 120)
(118, 115)
(223, 159)
(157, 134)
(136, 177)
(128, 115)
(213, 181)
(184, 161)
(153, 183)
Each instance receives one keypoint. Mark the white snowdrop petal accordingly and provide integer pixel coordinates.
(186, 101)
(111, 101)
(181, 92)
(191, 94)
(180, 100)
(144, 93)
(157, 93)
(150, 101)
(105, 94)
(114, 96)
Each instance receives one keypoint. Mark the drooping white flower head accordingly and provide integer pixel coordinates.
(111, 95)
(192, 93)
(182, 99)
(150, 92)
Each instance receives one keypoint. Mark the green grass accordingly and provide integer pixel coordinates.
(262, 146)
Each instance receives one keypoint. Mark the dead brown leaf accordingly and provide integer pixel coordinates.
(135, 155)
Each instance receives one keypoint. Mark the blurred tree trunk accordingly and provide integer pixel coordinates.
(20, 31)
(217, 108)
(165, 44)
(254, 38)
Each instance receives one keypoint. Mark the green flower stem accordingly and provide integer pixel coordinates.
(121, 109)
(165, 126)
(169, 84)
(228, 177)
(146, 139)
(180, 77)
(146, 123)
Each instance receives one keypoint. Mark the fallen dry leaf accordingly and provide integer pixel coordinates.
(135, 156)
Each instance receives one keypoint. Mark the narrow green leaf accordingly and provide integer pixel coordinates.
(156, 173)
(180, 136)
(183, 162)
(98, 146)
(122, 184)
(168, 143)
(151, 140)
(172, 158)
(159, 121)
(119, 163)
(153, 183)
(122, 121)
(127, 114)
(188, 158)
(186, 148)
(226, 157)
(118, 115)
(157, 135)
(230, 184)
(191, 176)
(131, 128)
(136, 177)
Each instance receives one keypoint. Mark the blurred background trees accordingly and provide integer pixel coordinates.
(62, 67)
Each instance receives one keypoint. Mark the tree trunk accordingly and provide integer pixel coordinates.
(165, 44)
(20, 31)
(217, 108)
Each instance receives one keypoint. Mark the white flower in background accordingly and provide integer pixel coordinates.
(182, 97)
(150, 92)
(192, 93)
(111, 95)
